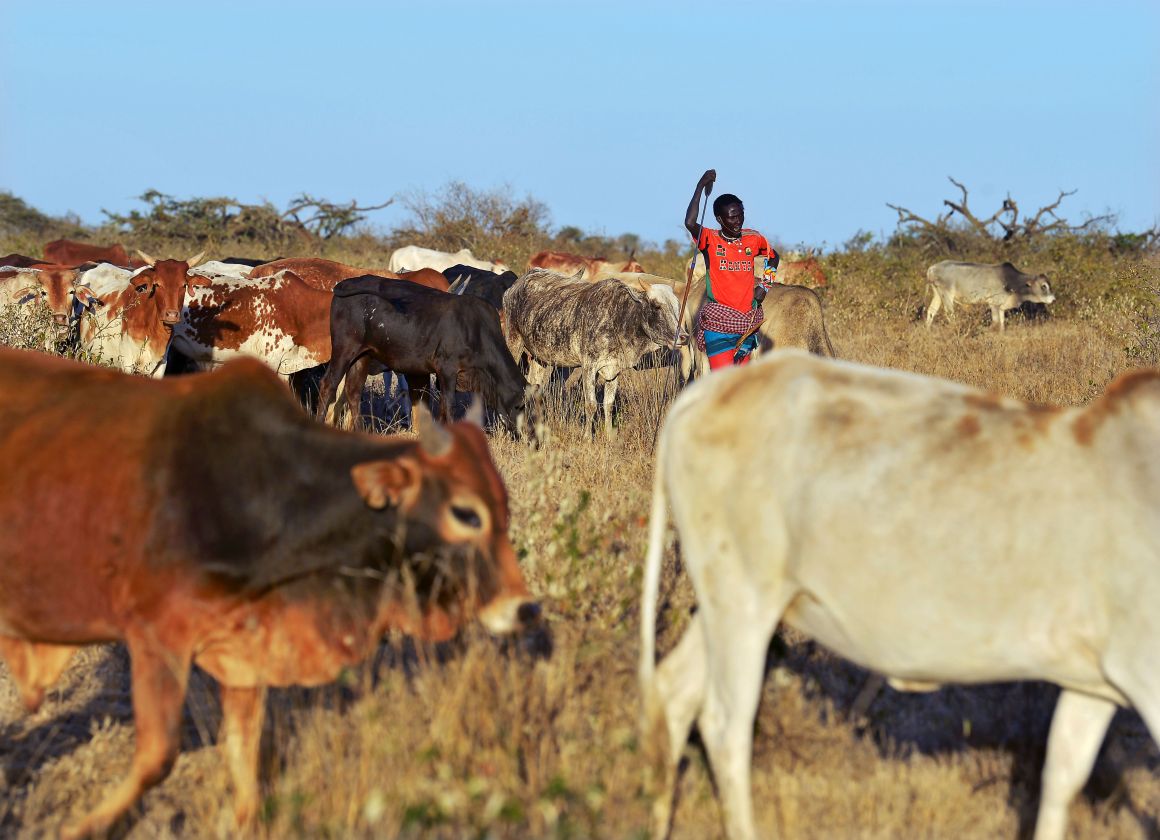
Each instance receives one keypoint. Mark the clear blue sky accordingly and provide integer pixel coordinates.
(816, 114)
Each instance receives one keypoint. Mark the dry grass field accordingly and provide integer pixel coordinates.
(463, 740)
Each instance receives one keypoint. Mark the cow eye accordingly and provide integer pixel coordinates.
(467, 516)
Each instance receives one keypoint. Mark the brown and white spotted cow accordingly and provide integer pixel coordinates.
(278, 319)
(131, 324)
(227, 529)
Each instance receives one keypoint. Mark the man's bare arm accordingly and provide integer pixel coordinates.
(706, 184)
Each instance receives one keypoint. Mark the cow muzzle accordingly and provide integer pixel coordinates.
(170, 317)
(521, 620)
(60, 321)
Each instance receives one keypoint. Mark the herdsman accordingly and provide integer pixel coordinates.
(733, 295)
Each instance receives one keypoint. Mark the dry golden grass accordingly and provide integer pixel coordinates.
(464, 741)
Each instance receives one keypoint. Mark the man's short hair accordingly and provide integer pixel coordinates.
(724, 200)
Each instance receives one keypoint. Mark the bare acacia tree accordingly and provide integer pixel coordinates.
(1004, 224)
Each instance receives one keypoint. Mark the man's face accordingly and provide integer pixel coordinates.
(732, 220)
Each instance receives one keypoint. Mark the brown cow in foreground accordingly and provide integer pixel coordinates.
(326, 274)
(593, 268)
(226, 528)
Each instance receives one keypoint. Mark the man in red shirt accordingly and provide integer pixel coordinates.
(733, 295)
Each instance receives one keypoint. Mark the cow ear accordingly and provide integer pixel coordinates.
(85, 296)
(383, 483)
(433, 438)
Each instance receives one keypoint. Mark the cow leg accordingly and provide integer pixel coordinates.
(590, 404)
(1130, 665)
(241, 736)
(34, 667)
(609, 400)
(736, 644)
(336, 369)
(997, 317)
(418, 393)
(671, 706)
(445, 379)
(1077, 730)
(356, 380)
(933, 307)
(159, 681)
(686, 361)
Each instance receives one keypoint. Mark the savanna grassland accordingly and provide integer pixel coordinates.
(464, 740)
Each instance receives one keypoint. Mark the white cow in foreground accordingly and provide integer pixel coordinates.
(412, 258)
(847, 521)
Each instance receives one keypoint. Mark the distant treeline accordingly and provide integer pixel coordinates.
(499, 226)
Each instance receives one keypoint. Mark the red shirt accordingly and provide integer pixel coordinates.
(730, 279)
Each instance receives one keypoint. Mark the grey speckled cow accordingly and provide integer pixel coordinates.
(1001, 287)
(603, 328)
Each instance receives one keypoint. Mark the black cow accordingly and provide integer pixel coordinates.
(480, 283)
(415, 332)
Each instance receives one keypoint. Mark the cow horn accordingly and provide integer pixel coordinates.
(195, 259)
(148, 259)
(433, 438)
(474, 413)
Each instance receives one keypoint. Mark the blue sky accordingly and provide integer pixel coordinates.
(815, 114)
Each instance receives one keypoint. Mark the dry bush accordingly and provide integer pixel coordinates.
(467, 740)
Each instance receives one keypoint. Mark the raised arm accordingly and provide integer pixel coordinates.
(706, 184)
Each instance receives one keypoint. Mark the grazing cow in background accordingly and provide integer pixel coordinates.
(68, 252)
(412, 258)
(1067, 595)
(591, 268)
(480, 283)
(227, 529)
(279, 320)
(416, 332)
(132, 325)
(803, 272)
(603, 328)
(1001, 287)
(15, 260)
(325, 274)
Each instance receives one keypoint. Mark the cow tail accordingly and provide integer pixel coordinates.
(652, 576)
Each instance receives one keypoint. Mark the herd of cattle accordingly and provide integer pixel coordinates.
(469, 323)
(283, 563)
